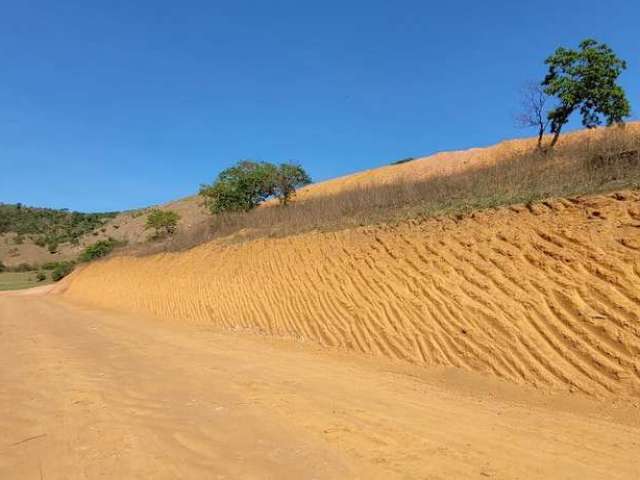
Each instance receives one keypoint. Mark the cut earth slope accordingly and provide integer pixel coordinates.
(546, 294)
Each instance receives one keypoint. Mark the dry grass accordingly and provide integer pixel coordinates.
(20, 280)
(602, 161)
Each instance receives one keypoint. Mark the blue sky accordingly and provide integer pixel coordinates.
(120, 104)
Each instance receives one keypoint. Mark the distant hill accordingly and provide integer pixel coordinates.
(40, 235)
(46, 228)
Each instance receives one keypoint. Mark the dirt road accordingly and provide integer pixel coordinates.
(86, 394)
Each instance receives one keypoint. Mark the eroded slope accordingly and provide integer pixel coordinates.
(547, 294)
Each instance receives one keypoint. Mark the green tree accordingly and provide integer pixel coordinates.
(164, 222)
(288, 178)
(585, 80)
(240, 188)
(248, 184)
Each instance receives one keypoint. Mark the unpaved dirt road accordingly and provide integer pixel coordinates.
(86, 394)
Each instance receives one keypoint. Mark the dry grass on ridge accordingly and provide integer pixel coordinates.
(592, 162)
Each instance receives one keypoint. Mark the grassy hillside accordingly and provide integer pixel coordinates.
(32, 236)
(48, 227)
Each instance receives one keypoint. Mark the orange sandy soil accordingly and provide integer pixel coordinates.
(504, 345)
(89, 394)
(546, 295)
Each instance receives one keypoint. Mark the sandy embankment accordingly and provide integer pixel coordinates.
(547, 295)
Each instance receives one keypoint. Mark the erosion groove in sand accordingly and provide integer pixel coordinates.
(547, 294)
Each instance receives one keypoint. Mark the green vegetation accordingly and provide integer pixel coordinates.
(61, 270)
(49, 227)
(99, 249)
(585, 80)
(41, 276)
(50, 265)
(239, 188)
(22, 267)
(286, 179)
(164, 222)
(20, 280)
(247, 184)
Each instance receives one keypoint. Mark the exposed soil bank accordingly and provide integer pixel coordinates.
(547, 295)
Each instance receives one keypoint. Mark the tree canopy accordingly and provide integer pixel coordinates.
(247, 184)
(288, 178)
(584, 80)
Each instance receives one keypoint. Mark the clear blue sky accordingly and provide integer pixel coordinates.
(121, 104)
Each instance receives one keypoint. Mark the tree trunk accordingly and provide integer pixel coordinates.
(554, 140)
(540, 135)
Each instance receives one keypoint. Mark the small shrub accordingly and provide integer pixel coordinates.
(41, 277)
(98, 250)
(62, 270)
(53, 246)
(50, 265)
(23, 267)
(3, 267)
(164, 222)
(403, 160)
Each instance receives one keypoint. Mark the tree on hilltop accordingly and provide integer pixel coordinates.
(239, 188)
(535, 110)
(288, 178)
(247, 184)
(584, 80)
